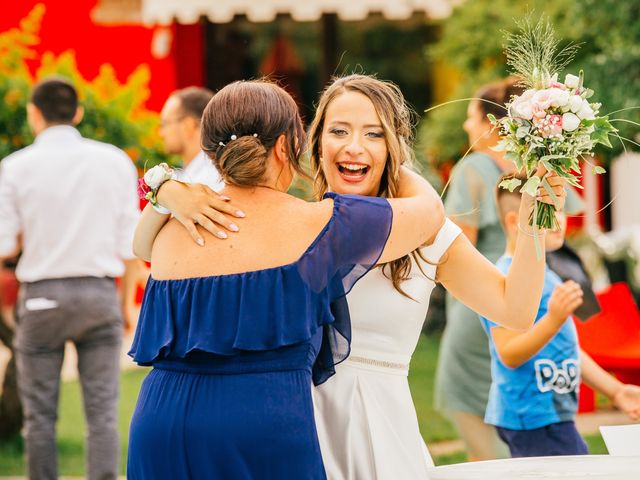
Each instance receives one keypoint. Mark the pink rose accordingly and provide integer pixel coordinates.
(559, 85)
(539, 113)
(521, 109)
(551, 126)
(555, 120)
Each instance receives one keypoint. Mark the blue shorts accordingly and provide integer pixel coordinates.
(556, 439)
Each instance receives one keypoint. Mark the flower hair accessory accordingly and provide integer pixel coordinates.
(149, 184)
(235, 137)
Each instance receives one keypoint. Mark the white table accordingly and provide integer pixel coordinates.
(585, 467)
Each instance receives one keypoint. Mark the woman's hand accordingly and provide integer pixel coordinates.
(196, 204)
(556, 185)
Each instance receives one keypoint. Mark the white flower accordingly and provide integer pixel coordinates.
(156, 176)
(559, 98)
(586, 111)
(570, 122)
(527, 94)
(571, 81)
(575, 102)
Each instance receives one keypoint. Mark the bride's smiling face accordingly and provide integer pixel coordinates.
(353, 149)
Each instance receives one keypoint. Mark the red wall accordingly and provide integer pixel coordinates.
(67, 25)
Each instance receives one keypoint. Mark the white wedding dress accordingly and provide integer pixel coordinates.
(365, 417)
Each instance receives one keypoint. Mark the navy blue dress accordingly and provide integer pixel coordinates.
(233, 356)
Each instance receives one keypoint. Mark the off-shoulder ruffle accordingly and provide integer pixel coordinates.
(270, 308)
(228, 314)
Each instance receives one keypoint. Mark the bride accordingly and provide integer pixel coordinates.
(367, 425)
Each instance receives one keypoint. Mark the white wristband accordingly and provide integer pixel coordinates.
(160, 209)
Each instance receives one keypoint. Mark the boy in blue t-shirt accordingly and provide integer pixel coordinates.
(536, 373)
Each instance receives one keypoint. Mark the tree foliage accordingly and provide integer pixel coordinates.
(114, 111)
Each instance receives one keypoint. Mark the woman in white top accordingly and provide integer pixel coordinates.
(366, 421)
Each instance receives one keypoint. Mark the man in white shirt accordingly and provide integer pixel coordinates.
(180, 129)
(69, 204)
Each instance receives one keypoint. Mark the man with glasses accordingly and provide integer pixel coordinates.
(180, 130)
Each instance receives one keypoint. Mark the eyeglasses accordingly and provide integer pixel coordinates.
(164, 123)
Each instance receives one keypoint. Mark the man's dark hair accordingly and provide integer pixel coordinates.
(193, 100)
(57, 99)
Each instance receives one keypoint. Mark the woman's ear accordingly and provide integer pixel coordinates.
(281, 151)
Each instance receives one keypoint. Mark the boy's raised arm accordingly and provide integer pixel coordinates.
(515, 348)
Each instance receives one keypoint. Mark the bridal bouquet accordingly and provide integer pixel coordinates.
(552, 123)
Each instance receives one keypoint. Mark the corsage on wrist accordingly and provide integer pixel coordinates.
(149, 184)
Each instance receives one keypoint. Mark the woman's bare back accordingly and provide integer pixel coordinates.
(277, 231)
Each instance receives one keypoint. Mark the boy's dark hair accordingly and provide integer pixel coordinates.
(507, 201)
(193, 100)
(57, 99)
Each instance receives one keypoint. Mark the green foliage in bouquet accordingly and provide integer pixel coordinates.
(471, 42)
(114, 111)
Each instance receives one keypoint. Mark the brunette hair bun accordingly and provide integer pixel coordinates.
(241, 125)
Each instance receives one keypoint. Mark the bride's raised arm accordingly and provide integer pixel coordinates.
(511, 300)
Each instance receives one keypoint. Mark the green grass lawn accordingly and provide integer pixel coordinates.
(71, 428)
(71, 424)
(434, 427)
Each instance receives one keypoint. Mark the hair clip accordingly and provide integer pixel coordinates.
(234, 137)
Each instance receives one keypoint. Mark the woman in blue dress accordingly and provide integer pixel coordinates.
(237, 330)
